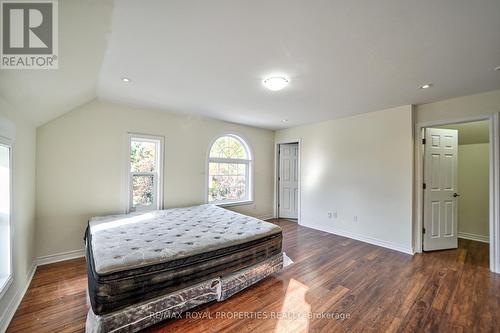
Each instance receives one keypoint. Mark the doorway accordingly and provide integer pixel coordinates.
(456, 186)
(288, 180)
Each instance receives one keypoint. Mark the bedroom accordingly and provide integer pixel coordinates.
(164, 105)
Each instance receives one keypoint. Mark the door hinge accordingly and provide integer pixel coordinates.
(423, 230)
(423, 141)
(425, 186)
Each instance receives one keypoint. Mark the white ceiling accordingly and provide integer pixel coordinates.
(343, 57)
(209, 57)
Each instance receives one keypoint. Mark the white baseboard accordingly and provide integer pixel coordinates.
(365, 239)
(18, 297)
(16, 300)
(266, 217)
(50, 259)
(474, 237)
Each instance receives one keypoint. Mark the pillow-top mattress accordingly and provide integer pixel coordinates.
(134, 257)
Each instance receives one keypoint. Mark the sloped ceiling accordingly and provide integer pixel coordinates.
(42, 95)
(209, 57)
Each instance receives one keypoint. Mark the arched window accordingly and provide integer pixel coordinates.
(229, 165)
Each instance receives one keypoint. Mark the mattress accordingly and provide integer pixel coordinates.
(135, 257)
(142, 315)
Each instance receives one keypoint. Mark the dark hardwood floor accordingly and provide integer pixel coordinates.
(372, 288)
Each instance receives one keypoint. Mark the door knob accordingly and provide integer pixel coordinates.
(456, 195)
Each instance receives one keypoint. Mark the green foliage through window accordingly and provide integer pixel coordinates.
(142, 156)
(228, 180)
(228, 147)
(142, 190)
(144, 173)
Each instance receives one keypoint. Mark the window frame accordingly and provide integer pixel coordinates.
(157, 176)
(4, 285)
(248, 174)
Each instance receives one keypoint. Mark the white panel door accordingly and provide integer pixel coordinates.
(441, 193)
(289, 180)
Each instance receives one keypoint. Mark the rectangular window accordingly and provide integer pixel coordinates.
(145, 172)
(5, 205)
(228, 182)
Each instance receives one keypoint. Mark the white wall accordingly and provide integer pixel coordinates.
(473, 185)
(363, 166)
(460, 107)
(23, 209)
(81, 160)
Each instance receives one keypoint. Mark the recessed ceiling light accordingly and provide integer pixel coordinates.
(126, 80)
(497, 68)
(284, 120)
(426, 86)
(275, 83)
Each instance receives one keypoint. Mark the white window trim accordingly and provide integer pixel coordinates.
(248, 175)
(6, 283)
(158, 183)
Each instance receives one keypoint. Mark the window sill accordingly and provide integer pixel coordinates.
(234, 203)
(5, 282)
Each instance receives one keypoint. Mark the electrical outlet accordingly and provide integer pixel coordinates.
(355, 219)
(335, 215)
(330, 215)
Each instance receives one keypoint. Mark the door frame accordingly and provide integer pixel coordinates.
(494, 184)
(277, 173)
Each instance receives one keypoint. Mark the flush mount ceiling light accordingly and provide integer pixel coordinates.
(284, 120)
(126, 80)
(426, 86)
(275, 83)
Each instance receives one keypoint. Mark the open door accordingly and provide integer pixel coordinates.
(440, 189)
(288, 180)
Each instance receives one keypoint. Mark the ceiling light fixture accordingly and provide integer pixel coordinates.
(284, 120)
(275, 83)
(497, 68)
(426, 86)
(126, 80)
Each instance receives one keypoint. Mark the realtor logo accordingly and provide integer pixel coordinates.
(29, 35)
